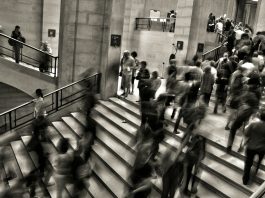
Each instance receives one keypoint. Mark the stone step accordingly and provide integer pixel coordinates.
(205, 167)
(101, 174)
(132, 106)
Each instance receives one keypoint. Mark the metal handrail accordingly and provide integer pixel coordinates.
(4, 35)
(56, 100)
(216, 48)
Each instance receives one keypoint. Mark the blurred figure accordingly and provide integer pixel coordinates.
(141, 174)
(155, 82)
(211, 23)
(207, 85)
(63, 166)
(236, 89)
(194, 155)
(143, 75)
(221, 92)
(39, 107)
(249, 106)
(127, 65)
(255, 135)
(137, 63)
(173, 173)
(81, 169)
(172, 20)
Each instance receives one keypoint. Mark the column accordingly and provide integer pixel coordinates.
(260, 16)
(183, 27)
(86, 28)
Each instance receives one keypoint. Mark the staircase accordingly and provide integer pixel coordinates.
(113, 156)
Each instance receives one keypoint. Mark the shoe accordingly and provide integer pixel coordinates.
(176, 132)
(227, 128)
(229, 149)
(245, 181)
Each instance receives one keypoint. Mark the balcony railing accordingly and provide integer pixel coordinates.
(164, 24)
(30, 55)
(54, 101)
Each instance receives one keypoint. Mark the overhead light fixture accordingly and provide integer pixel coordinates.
(255, 0)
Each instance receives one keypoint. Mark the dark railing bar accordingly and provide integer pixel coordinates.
(212, 50)
(4, 35)
(22, 105)
(71, 84)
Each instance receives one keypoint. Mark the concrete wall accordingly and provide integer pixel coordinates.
(25, 79)
(201, 11)
(86, 27)
(260, 16)
(164, 6)
(51, 20)
(25, 13)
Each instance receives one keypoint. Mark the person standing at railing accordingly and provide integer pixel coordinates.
(219, 30)
(16, 34)
(46, 58)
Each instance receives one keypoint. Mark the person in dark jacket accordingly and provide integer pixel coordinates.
(16, 34)
(255, 135)
(142, 76)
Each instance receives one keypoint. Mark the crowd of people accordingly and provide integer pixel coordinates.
(235, 80)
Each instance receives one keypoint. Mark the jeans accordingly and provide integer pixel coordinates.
(250, 154)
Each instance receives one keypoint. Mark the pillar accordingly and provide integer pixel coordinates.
(183, 27)
(260, 16)
(86, 27)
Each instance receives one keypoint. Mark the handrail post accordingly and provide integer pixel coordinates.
(10, 119)
(55, 66)
(21, 54)
(56, 101)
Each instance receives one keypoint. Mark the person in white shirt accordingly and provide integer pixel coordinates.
(39, 107)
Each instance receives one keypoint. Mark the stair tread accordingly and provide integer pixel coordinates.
(66, 132)
(23, 158)
(111, 160)
(11, 164)
(221, 185)
(125, 126)
(71, 122)
(116, 147)
(97, 189)
(114, 130)
(112, 181)
(121, 111)
(127, 104)
(80, 117)
(230, 174)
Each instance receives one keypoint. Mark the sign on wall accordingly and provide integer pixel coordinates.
(51, 32)
(115, 40)
(180, 45)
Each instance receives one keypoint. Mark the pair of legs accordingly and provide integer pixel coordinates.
(190, 177)
(172, 180)
(238, 122)
(126, 84)
(16, 49)
(219, 100)
(206, 97)
(250, 154)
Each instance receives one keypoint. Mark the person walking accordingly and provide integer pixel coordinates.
(255, 135)
(207, 85)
